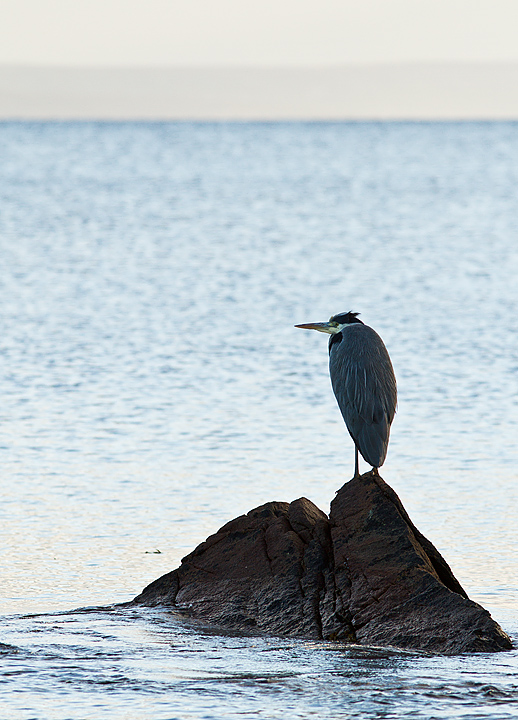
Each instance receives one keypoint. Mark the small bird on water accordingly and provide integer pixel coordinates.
(363, 382)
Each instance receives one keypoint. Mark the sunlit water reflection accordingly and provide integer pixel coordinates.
(153, 387)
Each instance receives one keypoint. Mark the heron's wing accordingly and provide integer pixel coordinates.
(365, 388)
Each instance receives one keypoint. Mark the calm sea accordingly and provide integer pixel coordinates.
(153, 387)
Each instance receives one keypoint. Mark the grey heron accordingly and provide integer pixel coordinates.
(363, 382)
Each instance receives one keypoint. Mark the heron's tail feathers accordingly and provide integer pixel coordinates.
(372, 441)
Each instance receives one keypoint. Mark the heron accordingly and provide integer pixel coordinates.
(363, 382)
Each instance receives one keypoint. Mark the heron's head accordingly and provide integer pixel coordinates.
(334, 325)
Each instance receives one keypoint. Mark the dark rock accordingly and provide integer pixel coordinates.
(363, 575)
(398, 588)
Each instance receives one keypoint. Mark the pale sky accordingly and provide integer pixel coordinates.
(256, 32)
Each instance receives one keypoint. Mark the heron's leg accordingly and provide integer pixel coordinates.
(356, 462)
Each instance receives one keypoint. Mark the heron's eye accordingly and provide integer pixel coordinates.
(333, 322)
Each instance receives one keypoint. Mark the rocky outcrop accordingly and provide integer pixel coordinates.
(364, 575)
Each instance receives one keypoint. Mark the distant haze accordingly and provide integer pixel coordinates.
(274, 59)
(384, 92)
(269, 33)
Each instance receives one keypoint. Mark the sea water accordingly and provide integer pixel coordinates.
(153, 387)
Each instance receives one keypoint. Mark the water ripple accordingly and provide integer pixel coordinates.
(153, 387)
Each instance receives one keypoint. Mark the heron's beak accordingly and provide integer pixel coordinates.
(321, 327)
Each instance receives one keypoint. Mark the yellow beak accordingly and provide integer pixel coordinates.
(321, 327)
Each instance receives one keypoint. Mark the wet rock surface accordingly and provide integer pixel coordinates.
(364, 575)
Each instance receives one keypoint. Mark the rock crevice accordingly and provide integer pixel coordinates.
(364, 575)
